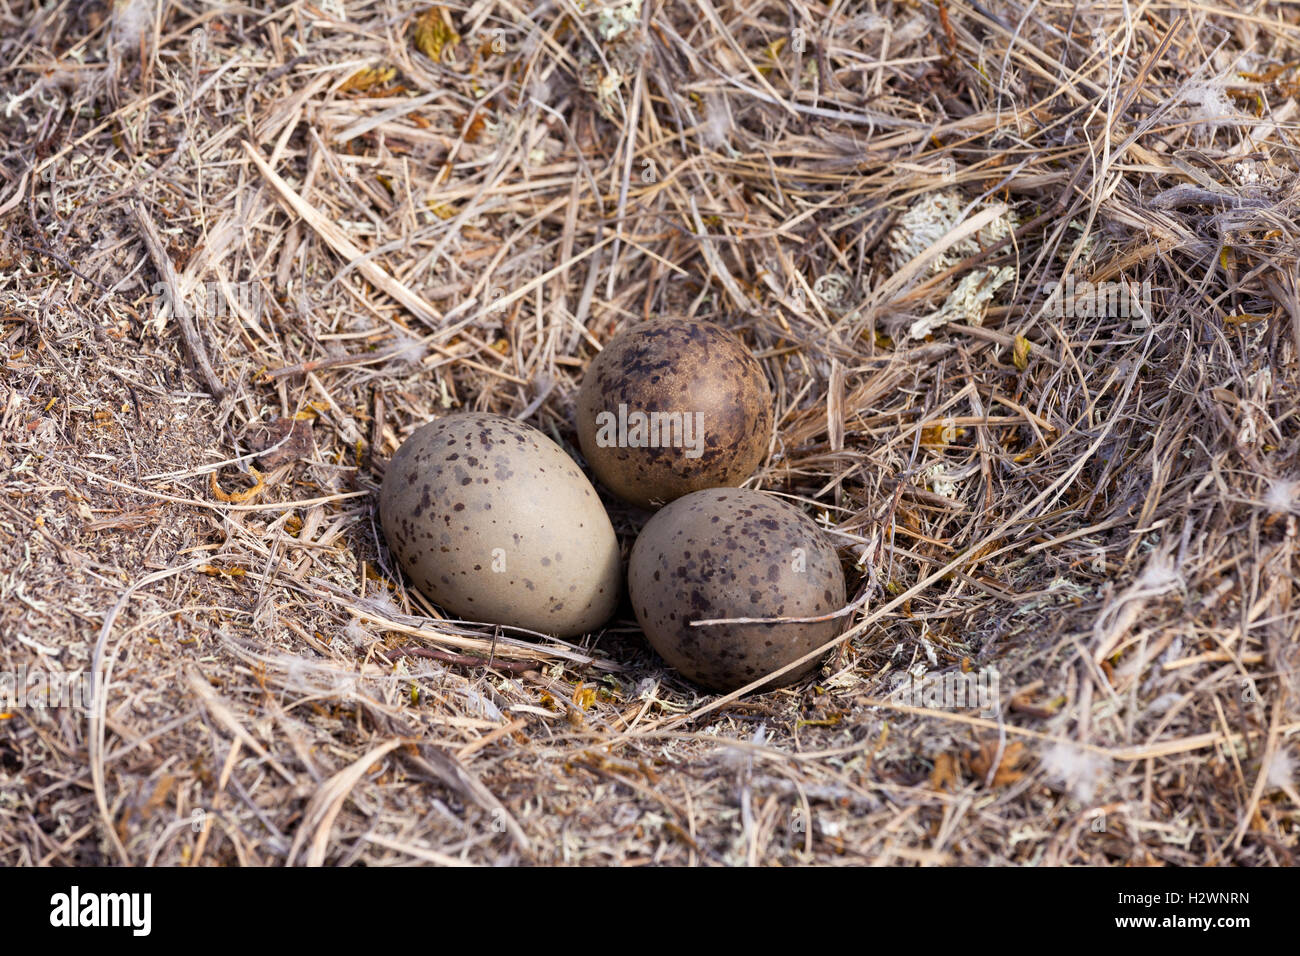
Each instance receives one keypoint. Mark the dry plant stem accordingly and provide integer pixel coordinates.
(340, 243)
(101, 668)
(460, 660)
(184, 319)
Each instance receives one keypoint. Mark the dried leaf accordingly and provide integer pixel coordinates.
(364, 81)
(1013, 754)
(1020, 352)
(474, 128)
(237, 497)
(941, 433)
(213, 571)
(944, 776)
(433, 33)
(280, 441)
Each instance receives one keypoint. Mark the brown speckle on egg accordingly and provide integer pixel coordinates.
(729, 553)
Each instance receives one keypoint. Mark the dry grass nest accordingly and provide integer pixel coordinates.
(246, 249)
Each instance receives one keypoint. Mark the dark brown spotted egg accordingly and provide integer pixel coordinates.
(734, 553)
(673, 406)
(495, 523)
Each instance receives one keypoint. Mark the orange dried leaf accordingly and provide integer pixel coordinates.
(944, 775)
(213, 571)
(474, 128)
(1013, 754)
(237, 497)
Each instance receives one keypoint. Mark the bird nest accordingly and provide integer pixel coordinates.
(1023, 280)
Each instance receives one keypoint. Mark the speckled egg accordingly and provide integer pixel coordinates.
(673, 406)
(495, 523)
(731, 553)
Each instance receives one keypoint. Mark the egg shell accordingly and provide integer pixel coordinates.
(729, 553)
(495, 523)
(678, 367)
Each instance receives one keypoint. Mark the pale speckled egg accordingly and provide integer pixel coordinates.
(495, 523)
(732, 553)
(672, 406)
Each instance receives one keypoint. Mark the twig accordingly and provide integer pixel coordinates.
(189, 331)
(461, 660)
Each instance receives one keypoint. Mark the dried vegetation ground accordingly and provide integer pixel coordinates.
(380, 211)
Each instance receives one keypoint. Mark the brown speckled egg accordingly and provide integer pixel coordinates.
(673, 406)
(495, 523)
(729, 553)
